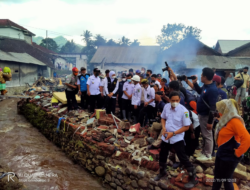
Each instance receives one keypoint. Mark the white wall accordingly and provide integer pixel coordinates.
(121, 67)
(61, 61)
(81, 60)
(17, 34)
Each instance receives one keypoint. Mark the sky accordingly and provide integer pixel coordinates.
(134, 19)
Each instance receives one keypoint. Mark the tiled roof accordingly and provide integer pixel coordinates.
(229, 45)
(10, 24)
(20, 46)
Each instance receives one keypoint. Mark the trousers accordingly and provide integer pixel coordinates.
(241, 92)
(71, 100)
(94, 102)
(179, 148)
(207, 136)
(223, 171)
(84, 100)
(148, 110)
(110, 104)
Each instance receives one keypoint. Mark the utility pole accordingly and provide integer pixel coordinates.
(47, 38)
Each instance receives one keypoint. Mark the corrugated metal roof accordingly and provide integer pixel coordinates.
(229, 45)
(129, 55)
(19, 57)
(218, 62)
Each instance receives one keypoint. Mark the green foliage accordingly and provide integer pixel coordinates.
(51, 44)
(111, 42)
(135, 43)
(69, 47)
(173, 33)
(125, 41)
(99, 40)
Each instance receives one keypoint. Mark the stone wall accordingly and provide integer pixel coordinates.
(102, 149)
(15, 90)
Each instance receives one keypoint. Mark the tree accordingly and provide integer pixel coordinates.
(125, 41)
(99, 40)
(87, 35)
(135, 43)
(173, 33)
(111, 42)
(69, 47)
(52, 45)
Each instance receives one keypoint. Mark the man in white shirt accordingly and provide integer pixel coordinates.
(128, 88)
(136, 97)
(111, 89)
(93, 88)
(175, 121)
(149, 102)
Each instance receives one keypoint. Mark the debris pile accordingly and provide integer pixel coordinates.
(113, 150)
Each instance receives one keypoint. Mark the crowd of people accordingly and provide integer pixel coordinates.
(144, 97)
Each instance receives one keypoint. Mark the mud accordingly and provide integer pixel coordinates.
(38, 163)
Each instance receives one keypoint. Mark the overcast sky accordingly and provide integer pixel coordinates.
(135, 19)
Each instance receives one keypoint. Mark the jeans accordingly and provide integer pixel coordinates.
(241, 92)
(223, 171)
(71, 100)
(207, 136)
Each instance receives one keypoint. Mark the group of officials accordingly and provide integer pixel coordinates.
(183, 117)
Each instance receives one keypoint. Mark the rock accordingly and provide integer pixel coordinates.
(122, 182)
(163, 185)
(99, 157)
(248, 168)
(112, 140)
(113, 179)
(118, 182)
(114, 174)
(174, 173)
(119, 176)
(100, 171)
(243, 187)
(119, 188)
(140, 174)
(108, 134)
(241, 167)
(157, 188)
(89, 162)
(209, 171)
(243, 182)
(150, 140)
(199, 169)
(240, 174)
(113, 185)
(108, 177)
(200, 175)
(208, 163)
(142, 183)
(153, 182)
(156, 126)
(134, 184)
(130, 138)
(151, 187)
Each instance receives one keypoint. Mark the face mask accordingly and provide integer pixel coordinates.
(153, 80)
(129, 80)
(245, 72)
(174, 104)
(147, 75)
(96, 74)
(142, 72)
(123, 79)
(113, 77)
(75, 74)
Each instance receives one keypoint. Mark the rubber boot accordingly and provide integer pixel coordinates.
(193, 179)
(129, 117)
(124, 115)
(162, 171)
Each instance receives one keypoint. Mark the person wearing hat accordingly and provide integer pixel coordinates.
(71, 88)
(159, 76)
(126, 98)
(149, 102)
(136, 96)
(111, 89)
(120, 92)
(138, 72)
(93, 90)
(107, 73)
(82, 86)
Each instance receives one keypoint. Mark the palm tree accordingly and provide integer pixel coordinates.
(99, 40)
(135, 43)
(87, 37)
(124, 41)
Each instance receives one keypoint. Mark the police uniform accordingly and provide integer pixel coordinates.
(149, 94)
(94, 84)
(136, 99)
(111, 86)
(126, 103)
(82, 82)
(175, 119)
(70, 92)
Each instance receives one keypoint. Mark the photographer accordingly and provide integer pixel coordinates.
(206, 105)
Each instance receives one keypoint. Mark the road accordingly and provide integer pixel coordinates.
(37, 161)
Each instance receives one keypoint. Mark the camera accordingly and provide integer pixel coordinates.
(159, 93)
(183, 77)
(166, 68)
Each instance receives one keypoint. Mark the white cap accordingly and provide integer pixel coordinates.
(136, 78)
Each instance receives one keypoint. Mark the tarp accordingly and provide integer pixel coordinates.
(61, 96)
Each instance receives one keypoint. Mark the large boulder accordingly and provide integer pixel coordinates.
(100, 171)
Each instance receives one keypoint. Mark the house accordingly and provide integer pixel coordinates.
(121, 58)
(12, 30)
(225, 46)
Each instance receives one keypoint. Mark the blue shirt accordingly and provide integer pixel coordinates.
(209, 93)
(222, 94)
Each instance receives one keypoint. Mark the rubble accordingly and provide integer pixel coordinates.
(118, 156)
